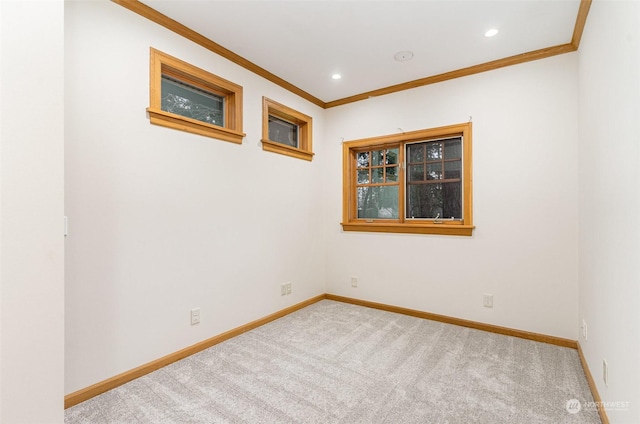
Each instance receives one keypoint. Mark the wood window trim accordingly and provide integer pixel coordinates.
(305, 129)
(164, 64)
(350, 222)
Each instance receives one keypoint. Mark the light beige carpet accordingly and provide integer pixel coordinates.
(338, 363)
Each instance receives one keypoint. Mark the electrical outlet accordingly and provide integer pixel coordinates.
(584, 330)
(354, 281)
(195, 316)
(285, 289)
(488, 300)
(605, 372)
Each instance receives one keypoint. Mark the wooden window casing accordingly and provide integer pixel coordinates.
(399, 222)
(163, 64)
(304, 125)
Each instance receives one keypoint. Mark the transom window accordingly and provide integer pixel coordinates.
(286, 131)
(191, 99)
(417, 182)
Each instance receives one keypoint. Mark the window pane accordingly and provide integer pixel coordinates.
(191, 102)
(416, 172)
(429, 200)
(363, 159)
(283, 132)
(453, 149)
(378, 202)
(392, 156)
(452, 169)
(416, 152)
(392, 173)
(434, 171)
(377, 157)
(434, 151)
(377, 175)
(424, 200)
(363, 176)
(451, 200)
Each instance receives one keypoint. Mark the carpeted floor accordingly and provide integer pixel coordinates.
(338, 363)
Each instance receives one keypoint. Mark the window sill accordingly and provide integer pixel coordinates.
(391, 227)
(271, 146)
(170, 120)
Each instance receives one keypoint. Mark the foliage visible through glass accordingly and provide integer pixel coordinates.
(283, 132)
(363, 176)
(434, 180)
(191, 102)
(378, 202)
(363, 159)
(431, 200)
(377, 180)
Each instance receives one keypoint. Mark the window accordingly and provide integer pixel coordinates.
(415, 182)
(286, 131)
(188, 98)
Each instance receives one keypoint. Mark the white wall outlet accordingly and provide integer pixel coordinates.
(584, 330)
(488, 300)
(195, 316)
(354, 281)
(285, 289)
(605, 372)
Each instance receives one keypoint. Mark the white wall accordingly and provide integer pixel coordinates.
(524, 248)
(162, 221)
(609, 92)
(31, 209)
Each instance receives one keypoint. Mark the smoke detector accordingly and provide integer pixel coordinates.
(403, 56)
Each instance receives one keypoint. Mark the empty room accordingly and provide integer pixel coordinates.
(320, 211)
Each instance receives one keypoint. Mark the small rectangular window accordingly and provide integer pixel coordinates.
(188, 98)
(286, 131)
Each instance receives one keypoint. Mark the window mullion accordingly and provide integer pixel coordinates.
(354, 191)
(402, 171)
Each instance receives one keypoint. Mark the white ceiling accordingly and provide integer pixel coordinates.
(306, 41)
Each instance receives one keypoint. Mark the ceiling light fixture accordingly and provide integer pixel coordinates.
(336, 76)
(491, 32)
(403, 56)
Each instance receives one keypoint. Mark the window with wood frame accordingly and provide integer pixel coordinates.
(414, 182)
(286, 131)
(187, 98)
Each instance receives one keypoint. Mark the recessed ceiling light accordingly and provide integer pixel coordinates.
(491, 32)
(403, 56)
(336, 76)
